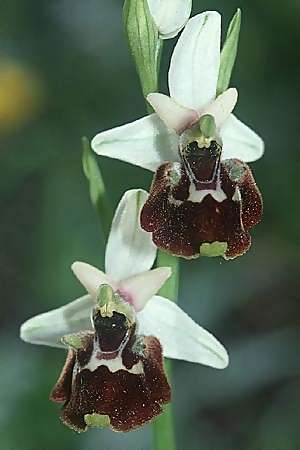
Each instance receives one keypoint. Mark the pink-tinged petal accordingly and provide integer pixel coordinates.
(129, 249)
(195, 61)
(222, 107)
(240, 142)
(179, 335)
(91, 277)
(175, 116)
(140, 288)
(146, 142)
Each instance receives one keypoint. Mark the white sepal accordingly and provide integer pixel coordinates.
(129, 248)
(48, 328)
(240, 142)
(147, 143)
(180, 336)
(195, 61)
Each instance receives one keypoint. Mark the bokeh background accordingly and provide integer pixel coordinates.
(65, 71)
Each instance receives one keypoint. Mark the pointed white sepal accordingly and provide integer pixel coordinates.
(147, 143)
(180, 336)
(175, 116)
(195, 62)
(240, 142)
(48, 328)
(170, 16)
(139, 289)
(90, 277)
(129, 248)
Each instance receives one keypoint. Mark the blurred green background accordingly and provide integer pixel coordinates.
(65, 71)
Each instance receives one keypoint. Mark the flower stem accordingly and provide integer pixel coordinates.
(163, 426)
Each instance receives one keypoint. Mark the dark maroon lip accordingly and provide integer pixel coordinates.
(129, 399)
(180, 225)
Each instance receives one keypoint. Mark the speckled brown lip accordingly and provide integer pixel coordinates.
(129, 397)
(180, 225)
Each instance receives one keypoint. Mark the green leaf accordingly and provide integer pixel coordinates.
(98, 192)
(144, 43)
(229, 52)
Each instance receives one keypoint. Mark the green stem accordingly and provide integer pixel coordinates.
(163, 426)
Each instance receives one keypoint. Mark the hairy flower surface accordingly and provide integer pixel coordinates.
(120, 348)
(203, 199)
(113, 376)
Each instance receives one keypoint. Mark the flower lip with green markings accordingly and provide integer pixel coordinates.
(113, 376)
(203, 199)
(134, 310)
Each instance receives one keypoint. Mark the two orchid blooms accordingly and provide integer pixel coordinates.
(202, 202)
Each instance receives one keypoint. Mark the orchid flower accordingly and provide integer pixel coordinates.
(193, 75)
(170, 16)
(130, 329)
(203, 200)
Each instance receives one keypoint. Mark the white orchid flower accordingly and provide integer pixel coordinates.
(193, 75)
(170, 16)
(129, 257)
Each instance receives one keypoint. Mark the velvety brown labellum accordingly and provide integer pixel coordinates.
(180, 224)
(129, 397)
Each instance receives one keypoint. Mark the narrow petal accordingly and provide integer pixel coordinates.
(195, 61)
(91, 277)
(222, 107)
(240, 142)
(170, 16)
(49, 327)
(175, 116)
(147, 143)
(179, 335)
(129, 249)
(139, 289)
